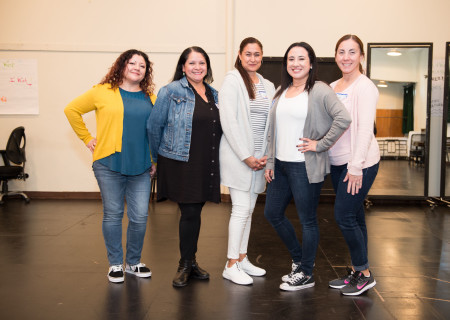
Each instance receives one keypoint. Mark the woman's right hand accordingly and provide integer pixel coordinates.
(268, 175)
(253, 163)
(91, 145)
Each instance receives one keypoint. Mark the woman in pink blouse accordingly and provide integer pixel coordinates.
(354, 162)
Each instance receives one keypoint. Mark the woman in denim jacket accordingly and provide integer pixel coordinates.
(184, 133)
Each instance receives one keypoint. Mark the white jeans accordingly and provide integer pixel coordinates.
(243, 204)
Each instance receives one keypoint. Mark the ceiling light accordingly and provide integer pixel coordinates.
(394, 53)
(382, 84)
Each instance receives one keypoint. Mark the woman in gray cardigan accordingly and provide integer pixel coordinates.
(306, 119)
(244, 101)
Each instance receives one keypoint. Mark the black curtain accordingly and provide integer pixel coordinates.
(408, 109)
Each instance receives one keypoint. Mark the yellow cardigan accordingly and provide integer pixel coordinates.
(108, 106)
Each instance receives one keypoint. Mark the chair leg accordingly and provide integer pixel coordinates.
(7, 193)
(19, 193)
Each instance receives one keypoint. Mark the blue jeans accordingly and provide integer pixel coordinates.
(349, 213)
(291, 180)
(115, 187)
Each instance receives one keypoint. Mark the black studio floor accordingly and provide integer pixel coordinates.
(54, 267)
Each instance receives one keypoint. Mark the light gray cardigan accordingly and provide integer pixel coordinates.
(237, 142)
(326, 120)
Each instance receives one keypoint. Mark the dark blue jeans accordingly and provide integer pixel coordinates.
(290, 181)
(349, 213)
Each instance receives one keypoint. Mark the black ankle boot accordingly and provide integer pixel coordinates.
(197, 272)
(183, 272)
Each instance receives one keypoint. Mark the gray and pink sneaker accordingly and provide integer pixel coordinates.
(342, 282)
(359, 283)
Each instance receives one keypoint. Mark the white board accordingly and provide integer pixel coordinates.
(19, 86)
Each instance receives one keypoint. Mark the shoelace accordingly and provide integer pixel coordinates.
(137, 266)
(294, 269)
(355, 278)
(297, 276)
(116, 268)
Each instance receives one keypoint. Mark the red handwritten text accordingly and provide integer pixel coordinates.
(20, 80)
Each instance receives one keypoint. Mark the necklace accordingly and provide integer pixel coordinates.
(292, 85)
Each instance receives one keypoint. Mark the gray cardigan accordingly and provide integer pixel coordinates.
(237, 140)
(326, 120)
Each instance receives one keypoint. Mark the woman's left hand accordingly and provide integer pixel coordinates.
(354, 183)
(153, 171)
(307, 145)
(268, 174)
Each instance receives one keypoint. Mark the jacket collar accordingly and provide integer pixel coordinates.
(184, 82)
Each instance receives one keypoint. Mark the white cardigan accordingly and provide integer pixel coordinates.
(237, 142)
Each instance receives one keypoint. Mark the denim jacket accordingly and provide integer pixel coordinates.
(169, 126)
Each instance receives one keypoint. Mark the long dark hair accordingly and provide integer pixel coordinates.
(286, 79)
(183, 58)
(357, 40)
(115, 74)
(244, 74)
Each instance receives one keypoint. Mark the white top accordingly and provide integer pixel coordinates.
(259, 110)
(340, 152)
(290, 121)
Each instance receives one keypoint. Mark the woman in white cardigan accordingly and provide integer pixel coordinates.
(244, 100)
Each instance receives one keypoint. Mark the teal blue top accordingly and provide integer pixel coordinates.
(135, 156)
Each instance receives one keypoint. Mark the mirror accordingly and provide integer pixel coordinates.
(402, 74)
(445, 168)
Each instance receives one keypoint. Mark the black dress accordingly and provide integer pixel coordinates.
(198, 179)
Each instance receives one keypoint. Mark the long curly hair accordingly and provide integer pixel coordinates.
(115, 75)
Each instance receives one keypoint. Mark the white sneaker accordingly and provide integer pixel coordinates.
(115, 273)
(236, 274)
(139, 270)
(251, 269)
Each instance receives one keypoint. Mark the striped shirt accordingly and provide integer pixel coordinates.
(259, 110)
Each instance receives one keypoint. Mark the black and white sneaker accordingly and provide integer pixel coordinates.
(115, 273)
(342, 282)
(296, 267)
(358, 284)
(139, 270)
(298, 281)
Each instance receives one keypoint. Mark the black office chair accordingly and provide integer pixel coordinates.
(15, 153)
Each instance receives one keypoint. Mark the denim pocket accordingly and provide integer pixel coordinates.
(177, 102)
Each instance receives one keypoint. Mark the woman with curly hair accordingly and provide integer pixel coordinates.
(122, 101)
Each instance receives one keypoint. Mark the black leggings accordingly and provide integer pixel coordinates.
(189, 229)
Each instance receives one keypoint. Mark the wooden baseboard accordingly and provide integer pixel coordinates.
(82, 195)
(324, 198)
(63, 195)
